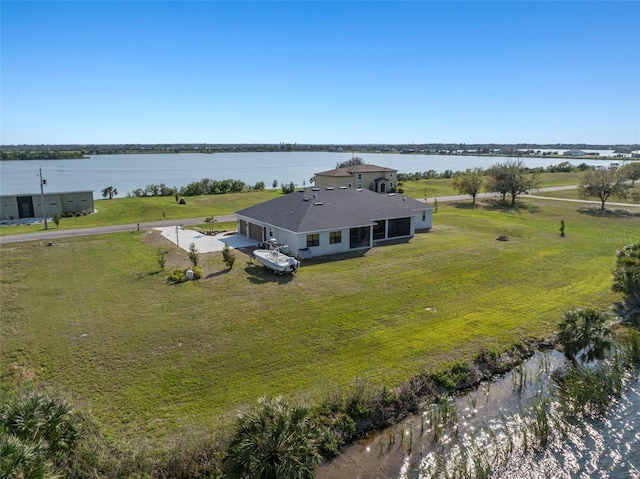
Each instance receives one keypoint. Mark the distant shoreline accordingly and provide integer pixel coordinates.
(17, 154)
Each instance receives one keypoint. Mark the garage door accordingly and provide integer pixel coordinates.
(255, 232)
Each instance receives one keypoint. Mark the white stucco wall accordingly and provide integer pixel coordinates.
(421, 224)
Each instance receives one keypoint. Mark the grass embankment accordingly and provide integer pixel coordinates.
(93, 316)
(118, 211)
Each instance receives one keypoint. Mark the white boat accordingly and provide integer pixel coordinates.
(275, 260)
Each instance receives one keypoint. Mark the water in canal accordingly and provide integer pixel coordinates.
(491, 431)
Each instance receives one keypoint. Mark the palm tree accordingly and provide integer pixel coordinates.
(273, 441)
(21, 459)
(585, 335)
(109, 191)
(35, 429)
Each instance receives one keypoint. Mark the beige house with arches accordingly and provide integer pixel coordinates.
(368, 177)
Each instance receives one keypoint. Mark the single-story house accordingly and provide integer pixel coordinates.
(375, 178)
(30, 205)
(319, 221)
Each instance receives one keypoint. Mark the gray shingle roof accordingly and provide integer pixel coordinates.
(327, 208)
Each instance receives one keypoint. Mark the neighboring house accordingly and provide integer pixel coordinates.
(321, 221)
(372, 177)
(506, 151)
(30, 205)
(635, 154)
(574, 153)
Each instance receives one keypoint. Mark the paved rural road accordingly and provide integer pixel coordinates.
(53, 233)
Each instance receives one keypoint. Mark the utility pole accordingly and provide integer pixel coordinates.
(44, 213)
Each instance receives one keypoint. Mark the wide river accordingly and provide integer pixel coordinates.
(127, 173)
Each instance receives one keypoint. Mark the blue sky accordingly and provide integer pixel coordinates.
(320, 72)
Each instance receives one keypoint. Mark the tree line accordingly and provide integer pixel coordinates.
(41, 155)
(514, 178)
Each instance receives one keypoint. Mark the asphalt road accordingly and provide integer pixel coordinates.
(52, 234)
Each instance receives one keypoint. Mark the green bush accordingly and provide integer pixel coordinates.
(197, 272)
(453, 377)
(194, 254)
(36, 430)
(180, 275)
(228, 256)
(177, 276)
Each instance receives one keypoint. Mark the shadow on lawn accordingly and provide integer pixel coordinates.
(617, 213)
(217, 273)
(260, 275)
(497, 205)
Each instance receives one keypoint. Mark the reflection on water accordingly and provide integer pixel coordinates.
(508, 428)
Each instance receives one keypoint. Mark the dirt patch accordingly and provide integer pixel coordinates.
(176, 257)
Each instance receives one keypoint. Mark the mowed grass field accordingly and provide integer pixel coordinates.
(92, 316)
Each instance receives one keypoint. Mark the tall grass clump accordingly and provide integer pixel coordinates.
(590, 390)
(443, 419)
(630, 344)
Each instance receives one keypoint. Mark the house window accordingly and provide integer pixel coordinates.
(390, 175)
(359, 176)
(335, 237)
(424, 215)
(313, 240)
(390, 186)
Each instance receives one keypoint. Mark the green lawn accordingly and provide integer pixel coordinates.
(93, 317)
(575, 195)
(439, 187)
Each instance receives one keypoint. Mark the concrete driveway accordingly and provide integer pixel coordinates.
(204, 243)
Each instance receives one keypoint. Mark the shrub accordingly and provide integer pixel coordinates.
(197, 272)
(274, 440)
(194, 254)
(453, 377)
(36, 431)
(228, 256)
(161, 258)
(631, 346)
(585, 335)
(177, 276)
